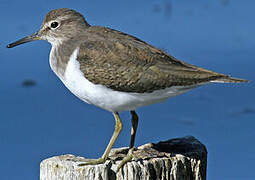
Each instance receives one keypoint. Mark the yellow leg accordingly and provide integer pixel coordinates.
(134, 128)
(130, 154)
(118, 128)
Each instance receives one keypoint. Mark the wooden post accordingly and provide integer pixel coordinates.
(175, 159)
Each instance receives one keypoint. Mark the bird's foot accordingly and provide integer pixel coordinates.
(128, 158)
(92, 161)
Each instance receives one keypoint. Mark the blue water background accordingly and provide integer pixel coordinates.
(44, 119)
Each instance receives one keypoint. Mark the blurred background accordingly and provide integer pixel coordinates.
(40, 118)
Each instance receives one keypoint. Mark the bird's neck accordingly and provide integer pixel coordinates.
(60, 56)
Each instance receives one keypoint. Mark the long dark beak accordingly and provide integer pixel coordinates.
(32, 37)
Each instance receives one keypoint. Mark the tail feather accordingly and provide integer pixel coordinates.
(228, 79)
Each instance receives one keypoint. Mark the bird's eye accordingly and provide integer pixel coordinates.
(54, 25)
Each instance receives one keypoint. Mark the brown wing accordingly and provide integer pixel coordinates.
(125, 63)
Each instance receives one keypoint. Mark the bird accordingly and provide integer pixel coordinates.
(113, 70)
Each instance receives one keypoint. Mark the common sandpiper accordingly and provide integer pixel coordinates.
(114, 70)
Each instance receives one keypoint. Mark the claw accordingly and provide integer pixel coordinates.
(127, 159)
(92, 162)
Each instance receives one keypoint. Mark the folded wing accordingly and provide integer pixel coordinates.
(124, 63)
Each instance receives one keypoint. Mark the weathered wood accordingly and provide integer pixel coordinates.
(175, 159)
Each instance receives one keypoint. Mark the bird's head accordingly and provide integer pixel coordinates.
(58, 25)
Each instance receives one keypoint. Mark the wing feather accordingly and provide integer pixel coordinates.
(125, 63)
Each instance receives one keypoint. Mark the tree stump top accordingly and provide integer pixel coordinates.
(176, 159)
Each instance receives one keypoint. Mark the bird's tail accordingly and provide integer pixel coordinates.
(228, 79)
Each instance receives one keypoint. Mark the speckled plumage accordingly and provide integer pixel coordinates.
(124, 63)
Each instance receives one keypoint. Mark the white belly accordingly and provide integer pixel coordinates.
(106, 98)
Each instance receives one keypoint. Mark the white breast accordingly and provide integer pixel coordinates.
(107, 98)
